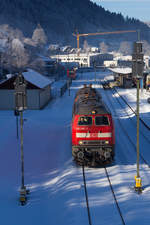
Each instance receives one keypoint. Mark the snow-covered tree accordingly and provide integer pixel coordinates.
(39, 65)
(29, 42)
(86, 47)
(39, 36)
(103, 47)
(146, 47)
(125, 48)
(10, 32)
(19, 55)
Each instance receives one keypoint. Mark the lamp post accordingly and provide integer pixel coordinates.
(68, 74)
(94, 65)
(137, 72)
(20, 106)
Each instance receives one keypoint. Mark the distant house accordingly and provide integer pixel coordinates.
(38, 91)
(110, 63)
(124, 63)
(123, 76)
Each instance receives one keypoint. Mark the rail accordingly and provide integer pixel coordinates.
(142, 121)
(113, 194)
(126, 133)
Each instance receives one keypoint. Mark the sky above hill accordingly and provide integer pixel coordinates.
(139, 9)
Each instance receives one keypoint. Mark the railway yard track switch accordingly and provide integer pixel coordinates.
(20, 106)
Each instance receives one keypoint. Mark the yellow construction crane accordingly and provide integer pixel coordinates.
(77, 35)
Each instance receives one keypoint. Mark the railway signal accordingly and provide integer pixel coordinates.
(20, 106)
(137, 72)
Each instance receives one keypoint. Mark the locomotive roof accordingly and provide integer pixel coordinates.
(87, 108)
(88, 90)
(87, 100)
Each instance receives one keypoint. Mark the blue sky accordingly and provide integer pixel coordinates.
(139, 9)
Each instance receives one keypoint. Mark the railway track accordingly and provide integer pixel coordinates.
(141, 120)
(112, 192)
(126, 132)
(131, 118)
(86, 197)
(124, 100)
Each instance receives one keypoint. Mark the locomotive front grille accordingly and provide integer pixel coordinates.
(101, 142)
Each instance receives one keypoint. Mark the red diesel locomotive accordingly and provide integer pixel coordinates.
(93, 137)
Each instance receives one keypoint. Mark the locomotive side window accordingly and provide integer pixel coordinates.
(101, 120)
(85, 120)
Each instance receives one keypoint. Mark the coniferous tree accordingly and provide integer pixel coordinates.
(39, 36)
(86, 47)
(125, 48)
(19, 56)
(103, 47)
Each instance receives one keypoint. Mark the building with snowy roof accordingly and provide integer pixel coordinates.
(123, 76)
(38, 91)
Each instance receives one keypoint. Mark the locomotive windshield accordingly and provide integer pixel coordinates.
(101, 120)
(85, 120)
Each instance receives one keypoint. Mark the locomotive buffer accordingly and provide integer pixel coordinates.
(20, 106)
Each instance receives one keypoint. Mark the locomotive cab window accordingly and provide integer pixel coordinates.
(85, 120)
(101, 120)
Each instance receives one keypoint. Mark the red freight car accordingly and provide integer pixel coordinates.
(93, 136)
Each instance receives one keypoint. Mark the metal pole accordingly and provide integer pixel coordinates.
(94, 67)
(22, 155)
(17, 127)
(77, 41)
(138, 181)
(69, 91)
(95, 73)
(137, 71)
(138, 152)
(68, 86)
(139, 33)
(20, 105)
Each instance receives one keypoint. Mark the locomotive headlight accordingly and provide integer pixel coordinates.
(106, 142)
(94, 112)
(80, 142)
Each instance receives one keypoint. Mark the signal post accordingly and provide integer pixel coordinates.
(137, 72)
(20, 106)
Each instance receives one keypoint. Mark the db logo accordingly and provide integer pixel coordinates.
(93, 135)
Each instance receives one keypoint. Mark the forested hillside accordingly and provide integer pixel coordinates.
(60, 18)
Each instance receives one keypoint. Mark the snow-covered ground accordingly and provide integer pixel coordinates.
(56, 185)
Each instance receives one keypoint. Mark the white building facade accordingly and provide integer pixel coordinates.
(84, 59)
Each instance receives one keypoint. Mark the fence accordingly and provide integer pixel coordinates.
(65, 87)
